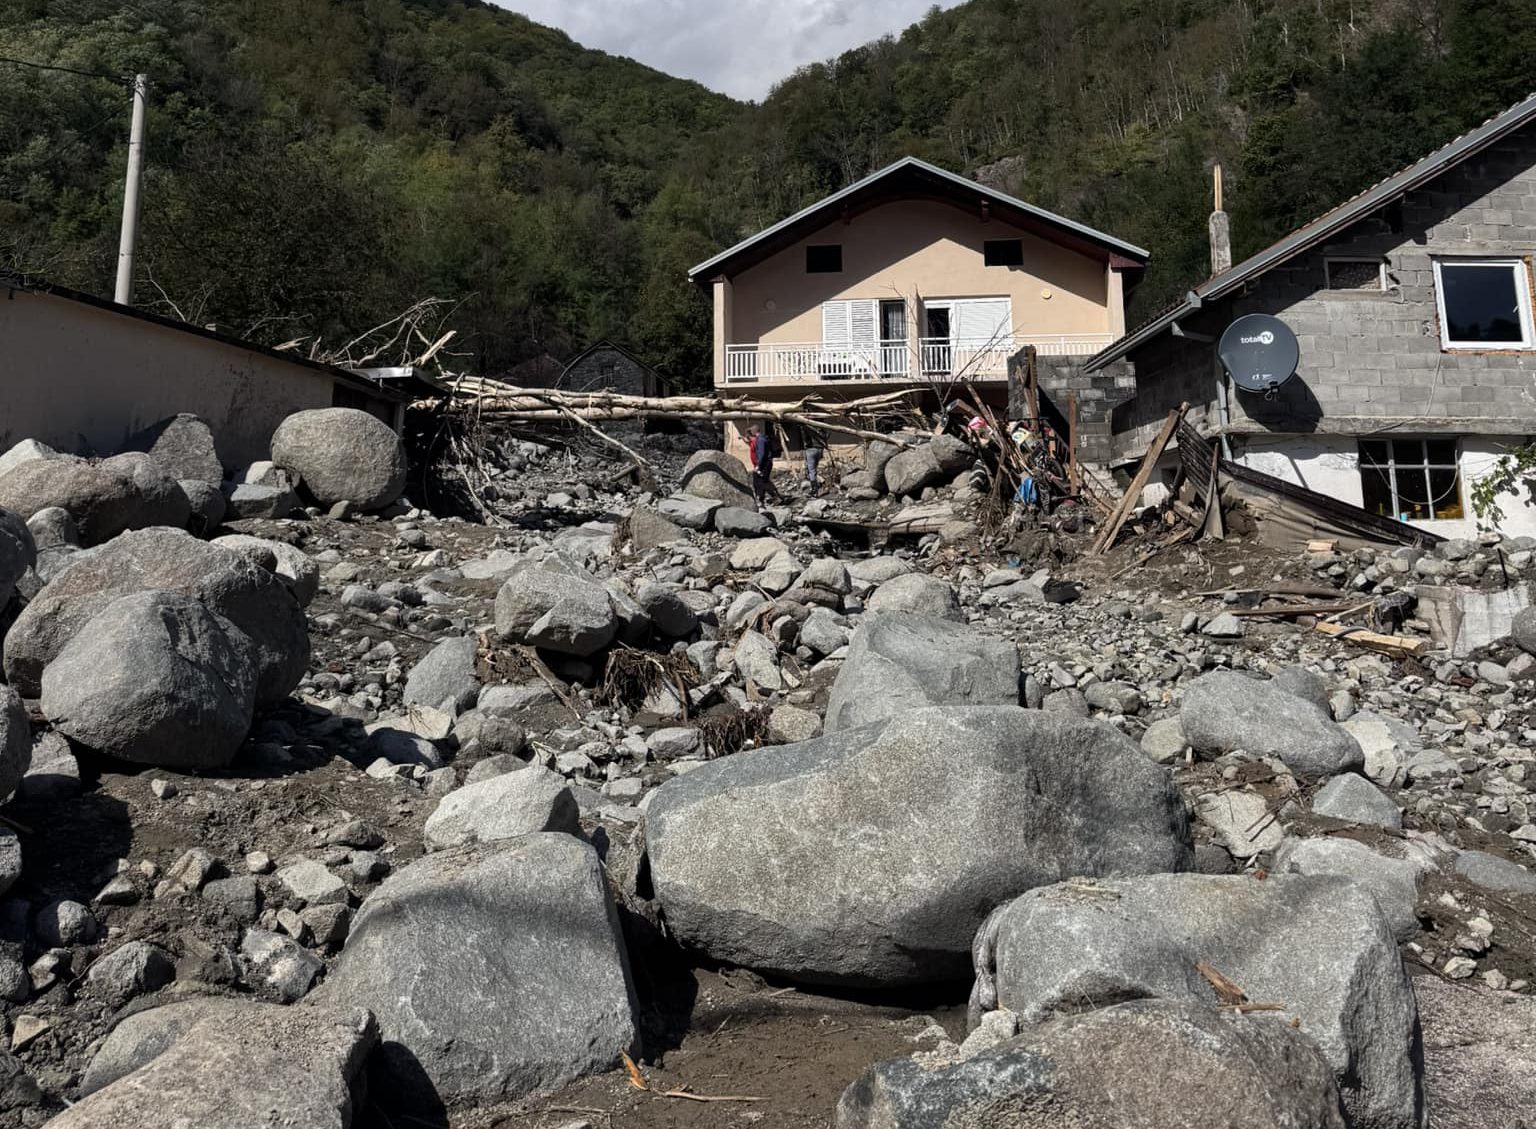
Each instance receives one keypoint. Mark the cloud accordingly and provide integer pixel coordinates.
(739, 47)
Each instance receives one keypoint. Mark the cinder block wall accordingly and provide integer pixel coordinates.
(1097, 395)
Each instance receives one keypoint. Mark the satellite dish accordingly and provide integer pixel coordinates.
(1259, 352)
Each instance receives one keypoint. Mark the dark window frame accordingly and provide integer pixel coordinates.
(997, 258)
(823, 258)
(1405, 469)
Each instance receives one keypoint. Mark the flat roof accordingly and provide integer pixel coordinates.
(908, 176)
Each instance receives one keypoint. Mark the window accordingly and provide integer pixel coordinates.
(1356, 274)
(1484, 303)
(1411, 479)
(1003, 252)
(826, 258)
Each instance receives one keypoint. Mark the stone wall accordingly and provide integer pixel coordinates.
(1097, 395)
(609, 369)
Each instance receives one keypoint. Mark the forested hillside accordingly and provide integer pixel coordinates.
(315, 165)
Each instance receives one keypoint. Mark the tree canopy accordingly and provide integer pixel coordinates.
(315, 166)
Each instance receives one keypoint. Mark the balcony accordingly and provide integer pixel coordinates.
(932, 358)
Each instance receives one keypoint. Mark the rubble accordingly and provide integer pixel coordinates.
(498, 777)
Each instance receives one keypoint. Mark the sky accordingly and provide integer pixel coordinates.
(738, 47)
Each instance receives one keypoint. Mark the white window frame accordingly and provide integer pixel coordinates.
(1381, 273)
(1521, 271)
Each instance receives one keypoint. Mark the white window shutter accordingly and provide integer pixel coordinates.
(836, 325)
(863, 322)
(982, 319)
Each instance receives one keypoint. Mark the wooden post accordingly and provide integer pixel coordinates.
(1072, 439)
(1106, 539)
(1030, 389)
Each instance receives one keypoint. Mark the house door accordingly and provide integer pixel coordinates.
(937, 347)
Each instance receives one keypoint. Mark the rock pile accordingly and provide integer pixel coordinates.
(342, 790)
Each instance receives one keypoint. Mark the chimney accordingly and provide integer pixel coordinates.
(1221, 232)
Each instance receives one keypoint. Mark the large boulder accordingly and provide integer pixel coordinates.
(719, 477)
(155, 678)
(239, 1066)
(1147, 1063)
(15, 741)
(183, 446)
(557, 608)
(504, 807)
(289, 562)
(447, 672)
(936, 461)
(342, 454)
(919, 593)
(1479, 1054)
(169, 560)
(162, 501)
(102, 501)
(1317, 947)
(898, 662)
(1393, 881)
(495, 971)
(18, 552)
(1224, 711)
(871, 856)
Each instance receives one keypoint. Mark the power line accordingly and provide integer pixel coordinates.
(121, 80)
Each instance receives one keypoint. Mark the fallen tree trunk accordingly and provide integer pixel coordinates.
(492, 400)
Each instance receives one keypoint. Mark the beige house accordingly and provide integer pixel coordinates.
(82, 374)
(912, 277)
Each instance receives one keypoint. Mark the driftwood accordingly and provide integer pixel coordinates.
(493, 400)
(1397, 646)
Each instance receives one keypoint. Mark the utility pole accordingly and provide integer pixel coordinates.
(124, 293)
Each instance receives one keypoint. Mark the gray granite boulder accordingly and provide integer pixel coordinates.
(1317, 946)
(1147, 1064)
(898, 662)
(1355, 799)
(719, 477)
(737, 521)
(504, 807)
(170, 560)
(495, 971)
(18, 552)
(1393, 882)
(15, 741)
(556, 607)
(447, 672)
(183, 446)
(161, 499)
(917, 593)
(289, 562)
(342, 455)
(237, 1067)
(155, 678)
(1224, 711)
(103, 502)
(842, 860)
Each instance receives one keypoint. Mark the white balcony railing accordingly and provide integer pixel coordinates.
(935, 357)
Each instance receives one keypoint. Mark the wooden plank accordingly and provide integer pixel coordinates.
(1293, 609)
(1072, 439)
(1215, 526)
(1144, 472)
(1398, 646)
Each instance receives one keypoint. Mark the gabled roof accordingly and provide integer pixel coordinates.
(912, 177)
(1329, 224)
(604, 344)
(350, 377)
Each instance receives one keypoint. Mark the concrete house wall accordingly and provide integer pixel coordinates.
(83, 377)
(1372, 363)
(914, 250)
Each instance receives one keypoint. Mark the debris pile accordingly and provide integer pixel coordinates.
(333, 804)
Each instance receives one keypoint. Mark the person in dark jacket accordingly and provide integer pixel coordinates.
(760, 451)
(814, 447)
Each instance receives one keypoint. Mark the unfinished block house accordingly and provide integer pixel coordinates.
(917, 278)
(1412, 307)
